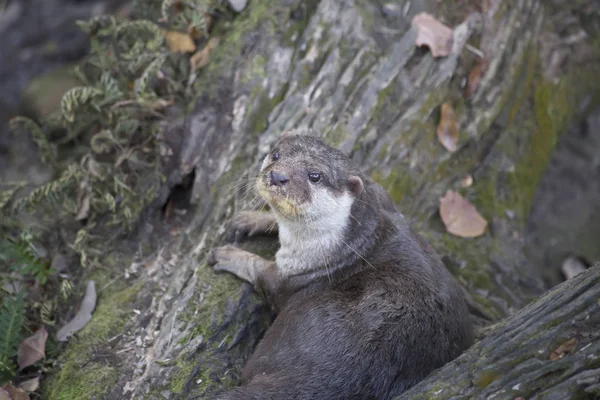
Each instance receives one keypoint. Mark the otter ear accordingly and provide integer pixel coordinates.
(356, 186)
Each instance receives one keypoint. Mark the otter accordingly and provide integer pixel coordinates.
(364, 306)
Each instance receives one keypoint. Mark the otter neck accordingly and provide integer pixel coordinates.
(312, 243)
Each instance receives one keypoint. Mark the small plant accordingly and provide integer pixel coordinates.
(20, 257)
(12, 315)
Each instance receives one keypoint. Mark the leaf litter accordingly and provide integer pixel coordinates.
(83, 316)
(32, 349)
(433, 34)
(460, 217)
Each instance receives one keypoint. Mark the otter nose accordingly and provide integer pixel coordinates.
(278, 179)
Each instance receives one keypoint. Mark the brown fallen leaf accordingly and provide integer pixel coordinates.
(433, 34)
(474, 78)
(4, 395)
(460, 217)
(15, 393)
(201, 58)
(32, 349)
(83, 316)
(447, 131)
(30, 385)
(565, 347)
(179, 42)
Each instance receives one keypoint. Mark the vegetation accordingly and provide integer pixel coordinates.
(105, 152)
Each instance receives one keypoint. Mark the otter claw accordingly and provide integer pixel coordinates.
(247, 224)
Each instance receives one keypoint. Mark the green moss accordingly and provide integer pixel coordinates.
(483, 380)
(79, 377)
(222, 58)
(220, 289)
(397, 184)
(110, 314)
(81, 380)
(259, 117)
(336, 136)
(383, 99)
(182, 374)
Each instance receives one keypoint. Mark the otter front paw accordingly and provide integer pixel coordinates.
(246, 224)
(236, 261)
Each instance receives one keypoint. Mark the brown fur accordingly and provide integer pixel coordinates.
(369, 322)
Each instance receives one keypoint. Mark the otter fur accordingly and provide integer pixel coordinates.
(365, 307)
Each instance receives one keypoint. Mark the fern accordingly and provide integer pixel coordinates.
(76, 97)
(12, 315)
(6, 195)
(21, 257)
(47, 151)
(141, 84)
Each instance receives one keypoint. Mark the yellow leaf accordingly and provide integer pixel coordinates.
(180, 42)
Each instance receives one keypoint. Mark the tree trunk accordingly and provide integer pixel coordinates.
(548, 350)
(350, 72)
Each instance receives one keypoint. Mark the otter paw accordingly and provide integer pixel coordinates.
(247, 224)
(230, 259)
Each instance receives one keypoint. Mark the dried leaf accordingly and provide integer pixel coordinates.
(474, 77)
(447, 131)
(179, 42)
(201, 58)
(83, 316)
(15, 393)
(566, 347)
(32, 349)
(4, 395)
(460, 217)
(84, 208)
(572, 266)
(30, 385)
(433, 34)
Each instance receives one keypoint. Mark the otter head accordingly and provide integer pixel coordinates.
(304, 178)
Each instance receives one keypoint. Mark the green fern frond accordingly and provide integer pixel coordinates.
(22, 257)
(46, 313)
(50, 191)
(100, 25)
(137, 28)
(198, 21)
(12, 315)
(66, 288)
(110, 87)
(141, 84)
(7, 194)
(102, 142)
(141, 61)
(76, 97)
(47, 150)
(8, 370)
(165, 8)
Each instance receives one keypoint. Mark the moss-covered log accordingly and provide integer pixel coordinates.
(350, 72)
(550, 349)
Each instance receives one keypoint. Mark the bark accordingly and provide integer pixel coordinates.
(350, 72)
(549, 349)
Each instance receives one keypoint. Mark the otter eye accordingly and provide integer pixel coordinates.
(275, 156)
(314, 177)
